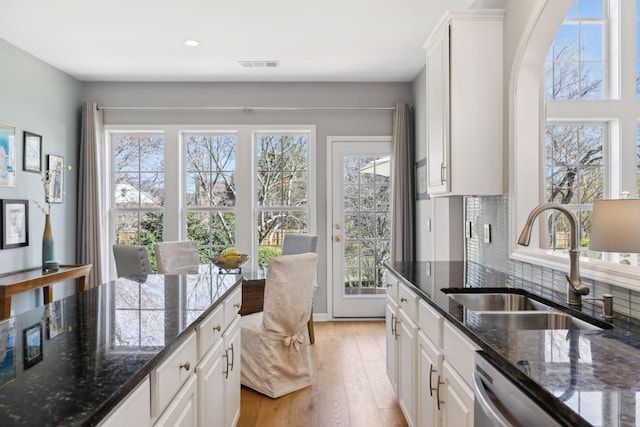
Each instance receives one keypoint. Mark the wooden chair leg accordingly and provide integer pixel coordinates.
(312, 336)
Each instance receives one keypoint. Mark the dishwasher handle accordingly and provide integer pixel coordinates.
(486, 404)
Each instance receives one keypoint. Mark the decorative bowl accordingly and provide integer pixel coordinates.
(229, 261)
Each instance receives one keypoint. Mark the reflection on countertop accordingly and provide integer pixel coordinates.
(97, 345)
(587, 377)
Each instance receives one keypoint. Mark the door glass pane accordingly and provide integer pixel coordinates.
(367, 235)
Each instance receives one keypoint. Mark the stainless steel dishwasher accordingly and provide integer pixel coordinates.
(500, 403)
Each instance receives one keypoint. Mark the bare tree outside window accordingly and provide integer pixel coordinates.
(574, 163)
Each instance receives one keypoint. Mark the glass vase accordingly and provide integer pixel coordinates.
(47, 242)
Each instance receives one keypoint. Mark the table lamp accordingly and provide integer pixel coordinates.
(615, 226)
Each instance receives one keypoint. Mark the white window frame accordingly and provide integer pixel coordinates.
(527, 133)
(175, 209)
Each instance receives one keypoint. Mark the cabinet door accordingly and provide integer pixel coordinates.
(458, 399)
(211, 387)
(391, 321)
(429, 373)
(438, 113)
(231, 373)
(407, 366)
(182, 411)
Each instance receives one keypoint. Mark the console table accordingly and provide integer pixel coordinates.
(16, 282)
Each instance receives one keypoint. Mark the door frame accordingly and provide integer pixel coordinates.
(331, 140)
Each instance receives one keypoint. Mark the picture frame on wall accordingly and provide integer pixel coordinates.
(421, 179)
(7, 155)
(55, 166)
(32, 345)
(32, 152)
(14, 217)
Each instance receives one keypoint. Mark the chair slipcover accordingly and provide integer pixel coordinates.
(299, 244)
(131, 260)
(173, 257)
(275, 353)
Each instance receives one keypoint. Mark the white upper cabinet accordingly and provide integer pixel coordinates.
(465, 104)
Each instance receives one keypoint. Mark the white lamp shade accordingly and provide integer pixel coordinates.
(615, 226)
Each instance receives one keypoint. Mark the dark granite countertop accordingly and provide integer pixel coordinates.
(582, 377)
(98, 345)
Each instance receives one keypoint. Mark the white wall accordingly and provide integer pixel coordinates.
(40, 99)
(328, 123)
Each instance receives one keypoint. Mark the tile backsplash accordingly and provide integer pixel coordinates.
(543, 281)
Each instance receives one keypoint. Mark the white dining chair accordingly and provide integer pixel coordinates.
(131, 260)
(175, 257)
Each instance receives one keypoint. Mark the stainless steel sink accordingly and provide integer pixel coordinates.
(529, 320)
(497, 302)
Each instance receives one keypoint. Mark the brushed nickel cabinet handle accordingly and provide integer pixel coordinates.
(236, 305)
(217, 328)
(438, 392)
(403, 299)
(185, 365)
(431, 372)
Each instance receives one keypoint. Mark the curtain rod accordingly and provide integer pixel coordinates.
(248, 109)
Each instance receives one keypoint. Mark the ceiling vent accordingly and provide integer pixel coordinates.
(259, 64)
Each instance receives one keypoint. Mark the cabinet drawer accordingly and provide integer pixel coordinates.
(210, 330)
(167, 378)
(232, 306)
(430, 322)
(134, 410)
(408, 301)
(392, 285)
(459, 352)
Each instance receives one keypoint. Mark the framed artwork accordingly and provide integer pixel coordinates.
(32, 152)
(32, 345)
(15, 223)
(7, 350)
(421, 179)
(7, 155)
(54, 315)
(55, 176)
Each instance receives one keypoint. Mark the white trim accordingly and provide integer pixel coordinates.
(331, 140)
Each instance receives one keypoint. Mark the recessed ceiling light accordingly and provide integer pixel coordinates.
(191, 42)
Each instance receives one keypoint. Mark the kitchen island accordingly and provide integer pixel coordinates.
(581, 377)
(99, 345)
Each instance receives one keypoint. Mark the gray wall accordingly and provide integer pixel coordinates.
(328, 123)
(41, 99)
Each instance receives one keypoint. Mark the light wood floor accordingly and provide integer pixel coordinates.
(349, 385)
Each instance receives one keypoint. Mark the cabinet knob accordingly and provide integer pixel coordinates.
(217, 328)
(237, 305)
(185, 365)
(403, 299)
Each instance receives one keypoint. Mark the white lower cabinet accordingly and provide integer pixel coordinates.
(183, 409)
(198, 384)
(407, 366)
(431, 361)
(211, 387)
(391, 323)
(232, 374)
(457, 398)
(134, 410)
(429, 375)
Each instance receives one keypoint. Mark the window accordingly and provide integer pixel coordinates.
(225, 187)
(590, 130)
(138, 189)
(282, 183)
(211, 191)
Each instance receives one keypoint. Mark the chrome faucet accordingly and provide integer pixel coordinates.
(575, 289)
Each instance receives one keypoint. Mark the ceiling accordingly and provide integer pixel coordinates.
(143, 40)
